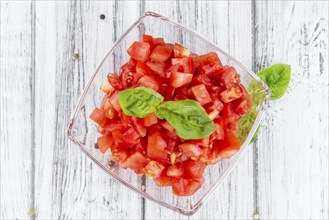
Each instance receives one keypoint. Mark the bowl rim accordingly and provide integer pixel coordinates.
(238, 155)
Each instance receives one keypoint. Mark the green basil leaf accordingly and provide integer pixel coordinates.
(277, 77)
(255, 135)
(139, 102)
(188, 117)
(257, 91)
(245, 123)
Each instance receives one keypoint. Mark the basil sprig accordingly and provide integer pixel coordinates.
(277, 78)
(139, 102)
(188, 117)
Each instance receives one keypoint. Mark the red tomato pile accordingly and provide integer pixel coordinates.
(151, 146)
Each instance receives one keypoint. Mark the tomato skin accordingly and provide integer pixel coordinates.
(138, 124)
(156, 147)
(163, 179)
(150, 120)
(202, 79)
(190, 150)
(99, 117)
(139, 50)
(178, 79)
(149, 82)
(114, 100)
(131, 136)
(104, 142)
(186, 63)
(143, 69)
(201, 94)
(119, 155)
(147, 38)
(158, 68)
(136, 162)
(180, 51)
(161, 54)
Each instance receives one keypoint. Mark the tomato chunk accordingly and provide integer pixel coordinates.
(104, 142)
(136, 162)
(180, 51)
(201, 94)
(156, 147)
(149, 82)
(178, 79)
(230, 77)
(153, 169)
(230, 94)
(139, 51)
(161, 54)
(193, 169)
(98, 116)
(174, 171)
(150, 120)
(184, 187)
(190, 150)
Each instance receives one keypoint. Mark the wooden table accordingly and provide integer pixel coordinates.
(283, 175)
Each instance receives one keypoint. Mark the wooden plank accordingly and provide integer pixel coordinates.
(227, 24)
(16, 110)
(69, 185)
(293, 140)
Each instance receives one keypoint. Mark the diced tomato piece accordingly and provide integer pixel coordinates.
(220, 126)
(180, 96)
(115, 81)
(186, 63)
(104, 142)
(131, 64)
(158, 41)
(156, 147)
(98, 116)
(119, 139)
(202, 79)
(193, 169)
(173, 171)
(107, 87)
(227, 147)
(173, 68)
(242, 106)
(131, 136)
(208, 63)
(163, 179)
(159, 68)
(139, 51)
(178, 79)
(230, 77)
(147, 38)
(166, 125)
(230, 94)
(136, 162)
(112, 125)
(128, 78)
(161, 54)
(108, 109)
(204, 142)
(114, 100)
(150, 120)
(184, 187)
(180, 51)
(143, 69)
(201, 94)
(190, 150)
(218, 104)
(149, 82)
(119, 155)
(167, 92)
(153, 169)
(138, 124)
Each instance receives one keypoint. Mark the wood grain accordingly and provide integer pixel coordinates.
(293, 142)
(16, 111)
(224, 23)
(68, 185)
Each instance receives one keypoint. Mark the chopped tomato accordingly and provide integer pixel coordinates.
(98, 116)
(174, 171)
(158, 41)
(178, 79)
(149, 82)
(104, 142)
(159, 68)
(156, 147)
(107, 87)
(119, 155)
(150, 120)
(163, 179)
(202, 79)
(138, 124)
(219, 125)
(201, 94)
(167, 126)
(153, 169)
(167, 92)
(131, 136)
(147, 38)
(190, 150)
(143, 69)
(180, 51)
(114, 81)
(193, 169)
(136, 162)
(186, 63)
(139, 51)
(114, 100)
(230, 94)
(161, 54)
(184, 187)
(229, 77)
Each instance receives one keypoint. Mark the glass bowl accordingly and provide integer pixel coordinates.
(83, 131)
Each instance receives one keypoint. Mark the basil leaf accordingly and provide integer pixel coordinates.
(139, 102)
(188, 117)
(257, 91)
(245, 123)
(255, 135)
(277, 77)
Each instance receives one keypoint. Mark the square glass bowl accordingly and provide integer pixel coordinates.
(83, 131)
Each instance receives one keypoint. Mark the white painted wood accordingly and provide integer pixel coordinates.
(228, 24)
(16, 113)
(293, 141)
(291, 154)
(69, 185)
